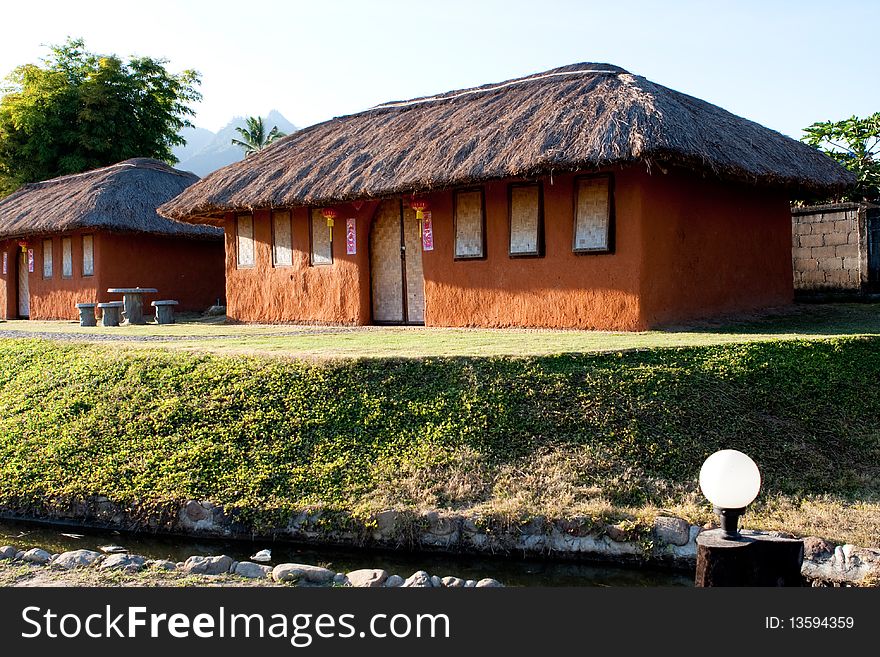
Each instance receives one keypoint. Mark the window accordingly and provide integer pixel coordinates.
(282, 255)
(47, 258)
(592, 215)
(470, 224)
(322, 246)
(88, 255)
(67, 257)
(244, 238)
(526, 207)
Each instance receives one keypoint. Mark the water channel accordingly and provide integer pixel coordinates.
(510, 570)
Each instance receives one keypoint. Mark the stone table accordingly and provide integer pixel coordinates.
(133, 302)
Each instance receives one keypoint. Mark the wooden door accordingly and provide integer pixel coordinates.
(415, 277)
(397, 279)
(386, 264)
(24, 297)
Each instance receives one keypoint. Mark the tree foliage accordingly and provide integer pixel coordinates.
(80, 110)
(853, 142)
(254, 137)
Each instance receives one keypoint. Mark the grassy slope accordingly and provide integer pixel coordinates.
(613, 435)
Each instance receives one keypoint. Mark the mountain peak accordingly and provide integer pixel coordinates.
(206, 151)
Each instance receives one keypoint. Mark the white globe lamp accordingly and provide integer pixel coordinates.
(731, 481)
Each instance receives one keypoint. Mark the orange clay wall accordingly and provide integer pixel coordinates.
(559, 290)
(187, 270)
(190, 271)
(711, 248)
(685, 248)
(56, 297)
(328, 294)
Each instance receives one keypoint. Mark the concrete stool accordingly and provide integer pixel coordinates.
(87, 314)
(164, 311)
(110, 313)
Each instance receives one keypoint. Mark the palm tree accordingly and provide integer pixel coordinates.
(254, 137)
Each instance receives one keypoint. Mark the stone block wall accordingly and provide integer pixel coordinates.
(829, 248)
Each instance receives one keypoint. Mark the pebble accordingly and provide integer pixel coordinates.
(393, 581)
(252, 570)
(76, 559)
(131, 563)
(37, 556)
(304, 574)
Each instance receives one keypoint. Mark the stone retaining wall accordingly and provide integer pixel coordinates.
(669, 542)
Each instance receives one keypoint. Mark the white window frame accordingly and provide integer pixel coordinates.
(48, 264)
(244, 243)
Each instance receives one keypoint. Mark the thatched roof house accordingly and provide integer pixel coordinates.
(680, 205)
(122, 198)
(66, 240)
(583, 116)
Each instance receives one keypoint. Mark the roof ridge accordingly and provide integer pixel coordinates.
(452, 95)
(133, 162)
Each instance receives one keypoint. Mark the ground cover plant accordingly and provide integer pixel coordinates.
(616, 436)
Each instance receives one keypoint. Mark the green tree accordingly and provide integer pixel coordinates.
(854, 143)
(254, 137)
(79, 110)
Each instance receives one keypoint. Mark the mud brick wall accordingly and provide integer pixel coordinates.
(826, 251)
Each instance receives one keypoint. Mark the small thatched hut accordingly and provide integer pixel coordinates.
(65, 241)
(580, 197)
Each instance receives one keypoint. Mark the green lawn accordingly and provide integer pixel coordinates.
(214, 335)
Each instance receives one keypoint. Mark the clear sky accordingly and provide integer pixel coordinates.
(782, 63)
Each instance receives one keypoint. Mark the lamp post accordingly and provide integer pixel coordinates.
(731, 481)
(725, 557)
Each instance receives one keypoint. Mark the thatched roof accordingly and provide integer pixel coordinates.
(122, 197)
(572, 118)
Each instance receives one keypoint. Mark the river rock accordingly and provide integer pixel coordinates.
(162, 564)
(36, 556)
(252, 570)
(76, 559)
(130, 563)
(616, 533)
(195, 511)
(386, 522)
(394, 581)
(435, 582)
(452, 582)
(367, 577)
(290, 572)
(208, 565)
(471, 583)
(419, 579)
(673, 531)
(8, 552)
(489, 583)
(815, 548)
